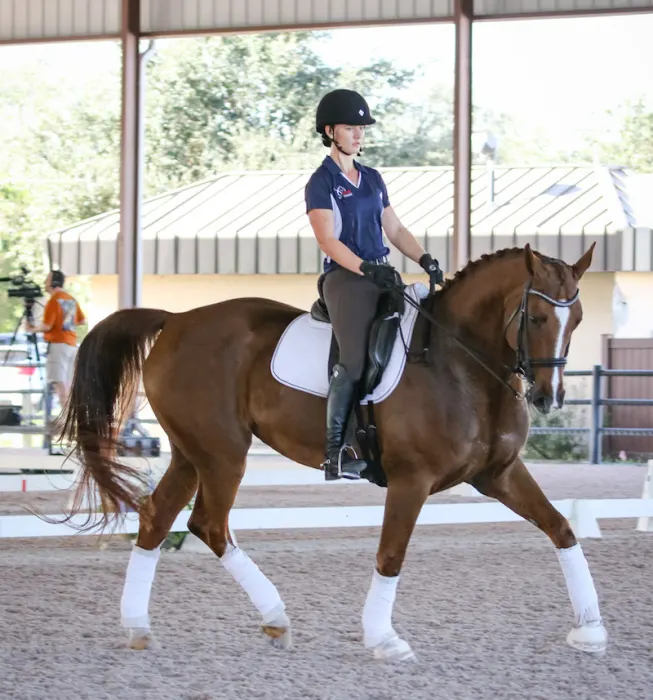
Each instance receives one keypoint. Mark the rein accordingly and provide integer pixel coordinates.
(524, 364)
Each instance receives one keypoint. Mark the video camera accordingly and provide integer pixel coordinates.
(23, 287)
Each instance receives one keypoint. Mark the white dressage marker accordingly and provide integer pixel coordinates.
(645, 523)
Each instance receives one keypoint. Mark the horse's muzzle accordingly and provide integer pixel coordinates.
(541, 401)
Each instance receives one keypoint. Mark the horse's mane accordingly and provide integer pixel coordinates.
(473, 265)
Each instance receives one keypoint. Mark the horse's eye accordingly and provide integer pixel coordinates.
(537, 321)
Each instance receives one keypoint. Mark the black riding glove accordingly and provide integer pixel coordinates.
(384, 276)
(432, 269)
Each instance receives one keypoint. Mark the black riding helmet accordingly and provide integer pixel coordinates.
(341, 107)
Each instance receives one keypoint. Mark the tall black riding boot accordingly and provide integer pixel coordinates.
(339, 461)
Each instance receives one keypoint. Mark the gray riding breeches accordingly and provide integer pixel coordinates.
(351, 300)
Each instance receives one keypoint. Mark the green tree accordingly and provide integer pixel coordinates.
(414, 134)
(630, 142)
(61, 151)
(14, 249)
(525, 143)
(247, 102)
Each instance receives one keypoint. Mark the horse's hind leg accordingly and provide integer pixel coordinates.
(173, 492)
(516, 488)
(219, 482)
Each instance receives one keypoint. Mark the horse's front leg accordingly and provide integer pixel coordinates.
(518, 490)
(404, 500)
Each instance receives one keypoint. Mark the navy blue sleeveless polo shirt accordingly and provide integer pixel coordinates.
(356, 210)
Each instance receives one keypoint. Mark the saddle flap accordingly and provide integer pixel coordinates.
(383, 334)
(319, 311)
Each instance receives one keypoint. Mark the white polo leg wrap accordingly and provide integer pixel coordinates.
(580, 585)
(135, 599)
(377, 611)
(261, 591)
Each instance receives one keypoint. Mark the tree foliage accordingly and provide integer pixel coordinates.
(631, 142)
(248, 102)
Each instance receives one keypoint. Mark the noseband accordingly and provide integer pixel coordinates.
(524, 364)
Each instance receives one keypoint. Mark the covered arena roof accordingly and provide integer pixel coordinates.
(255, 222)
(59, 20)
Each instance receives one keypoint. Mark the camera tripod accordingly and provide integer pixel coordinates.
(28, 316)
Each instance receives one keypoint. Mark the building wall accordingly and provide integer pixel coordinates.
(596, 290)
(183, 292)
(634, 305)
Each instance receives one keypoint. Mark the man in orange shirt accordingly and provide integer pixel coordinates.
(61, 316)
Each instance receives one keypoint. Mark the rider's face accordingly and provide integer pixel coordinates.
(349, 137)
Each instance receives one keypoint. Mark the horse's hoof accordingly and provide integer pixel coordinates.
(140, 639)
(280, 637)
(393, 649)
(590, 639)
(276, 627)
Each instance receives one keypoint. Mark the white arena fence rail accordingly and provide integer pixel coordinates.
(583, 515)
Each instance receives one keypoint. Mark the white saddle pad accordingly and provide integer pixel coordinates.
(301, 358)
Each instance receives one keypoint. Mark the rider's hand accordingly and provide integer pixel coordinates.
(384, 275)
(432, 269)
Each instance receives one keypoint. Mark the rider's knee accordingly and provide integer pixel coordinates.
(354, 367)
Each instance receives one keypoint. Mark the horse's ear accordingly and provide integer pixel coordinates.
(583, 263)
(531, 260)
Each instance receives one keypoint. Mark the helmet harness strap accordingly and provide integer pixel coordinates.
(338, 146)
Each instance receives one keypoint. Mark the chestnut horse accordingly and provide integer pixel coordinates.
(449, 420)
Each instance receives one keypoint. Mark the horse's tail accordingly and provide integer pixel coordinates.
(106, 379)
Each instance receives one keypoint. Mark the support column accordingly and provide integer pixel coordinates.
(462, 149)
(129, 238)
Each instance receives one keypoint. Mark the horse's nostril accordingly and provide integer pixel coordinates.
(543, 402)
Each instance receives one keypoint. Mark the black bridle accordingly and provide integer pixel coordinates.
(524, 363)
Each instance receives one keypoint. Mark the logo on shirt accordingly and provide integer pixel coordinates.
(342, 191)
(68, 308)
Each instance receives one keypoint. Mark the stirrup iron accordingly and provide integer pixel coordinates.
(330, 474)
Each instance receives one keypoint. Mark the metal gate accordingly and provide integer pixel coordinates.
(628, 353)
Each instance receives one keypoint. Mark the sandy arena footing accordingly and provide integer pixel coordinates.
(484, 607)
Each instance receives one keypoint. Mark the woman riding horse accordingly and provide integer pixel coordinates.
(504, 321)
(348, 207)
